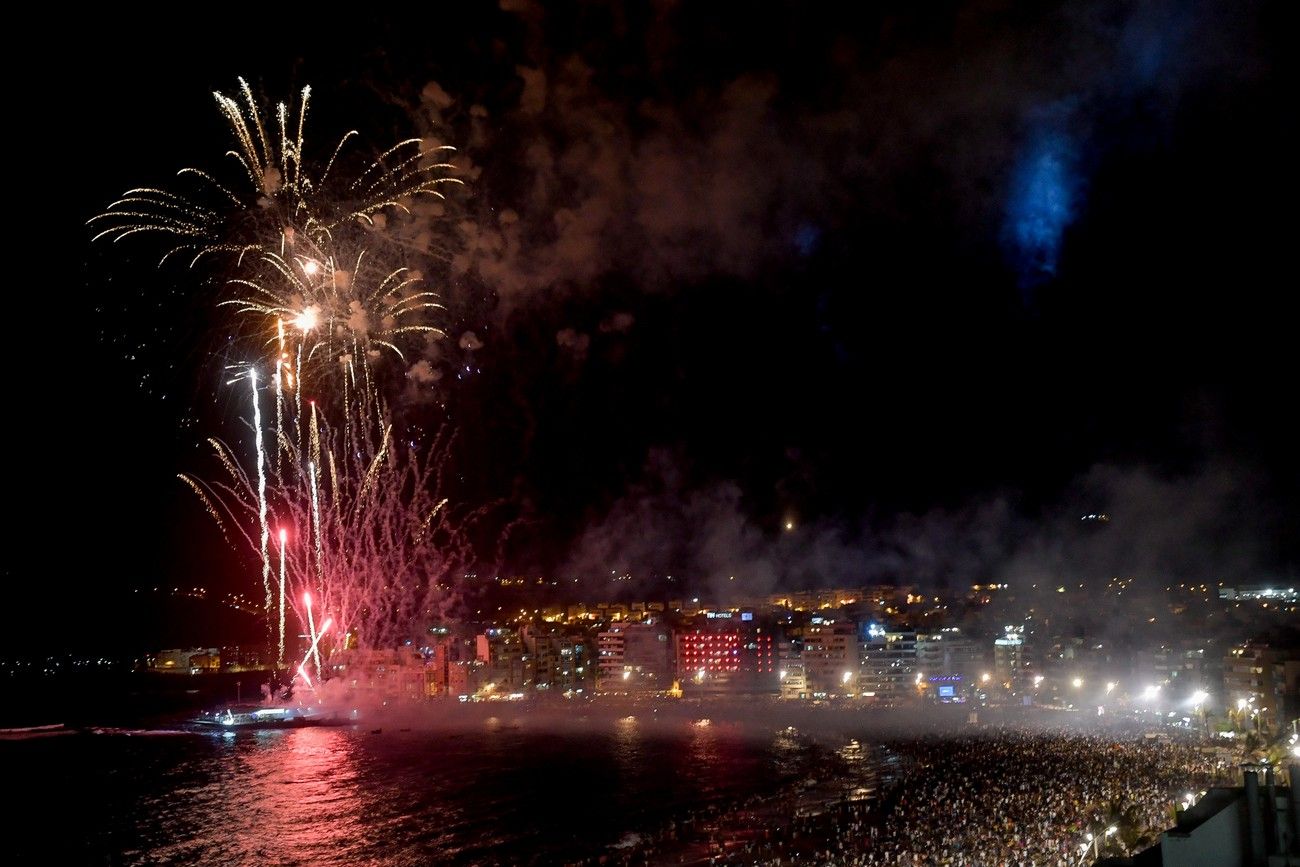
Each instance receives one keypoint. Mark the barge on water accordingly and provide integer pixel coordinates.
(259, 716)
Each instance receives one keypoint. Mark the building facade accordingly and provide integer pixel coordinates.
(830, 657)
(634, 658)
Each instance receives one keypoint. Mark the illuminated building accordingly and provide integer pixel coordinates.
(946, 653)
(437, 670)
(634, 658)
(465, 678)
(819, 600)
(191, 660)
(1010, 659)
(830, 657)
(727, 651)
(889, 664)
(506, 662)
(1281, 596)
(793, 679)
(1186, 666)
(1244, 678)
(251, 657)
(1262, 682)
(791, 676)
(559, 661)
(377, 676)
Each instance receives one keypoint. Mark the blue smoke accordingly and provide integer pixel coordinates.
(1046, 186)
(806, 239)
(1049, 174)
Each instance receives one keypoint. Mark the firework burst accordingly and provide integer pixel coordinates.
(331, 311)
(318, 276)
(279, 197)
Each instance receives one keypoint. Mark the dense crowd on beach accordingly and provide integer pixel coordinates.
(991, 797)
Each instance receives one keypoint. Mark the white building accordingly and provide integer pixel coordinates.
(889, 665)
(634, 658)
(1251, 826)
(830, 657)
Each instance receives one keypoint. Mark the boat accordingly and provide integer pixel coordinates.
(29, 732)
(236, 717)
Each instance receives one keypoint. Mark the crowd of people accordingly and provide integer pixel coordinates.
(990, 797)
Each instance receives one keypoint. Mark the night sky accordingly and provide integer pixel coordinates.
(928, 286)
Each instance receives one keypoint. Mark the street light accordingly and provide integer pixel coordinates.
(1095, 843)
(1077, 682)
(1110, 687)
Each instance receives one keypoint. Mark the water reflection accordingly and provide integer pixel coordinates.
(292, 797)
(628, 740)
(331, 797)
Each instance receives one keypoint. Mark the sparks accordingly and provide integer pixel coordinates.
(284, 536)
(278, 198)
(261, 488)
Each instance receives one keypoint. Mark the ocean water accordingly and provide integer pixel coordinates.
(501, 790)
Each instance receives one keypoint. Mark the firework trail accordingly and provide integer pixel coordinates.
(314, 649)
(315, 520)
(261, 487)
(377, 548)
(283, 539)
(279, 391)
(311, 631)
(318, 272)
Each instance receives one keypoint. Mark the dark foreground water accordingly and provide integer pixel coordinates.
(493, 791)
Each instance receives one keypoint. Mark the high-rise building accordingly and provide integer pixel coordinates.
(830, 657)
(1010, 659)
(465, 678)
(507, 665)
(634, 658)
(1182, 666)
(948, 653)
(889, 665)
(559, 660)
(791, 677)
(378, 676)
(1261, 681)
(727, 651)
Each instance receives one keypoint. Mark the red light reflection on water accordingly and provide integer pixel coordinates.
(295, 798)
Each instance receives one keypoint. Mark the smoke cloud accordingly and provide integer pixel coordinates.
(640, 175)
(1200, 526)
